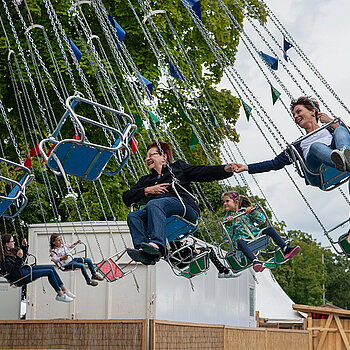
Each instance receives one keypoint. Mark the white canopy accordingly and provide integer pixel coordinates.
(272, 302)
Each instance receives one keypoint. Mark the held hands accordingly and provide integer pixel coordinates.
(157, 189)
(24, 242)
(237, 168)
(64, 257)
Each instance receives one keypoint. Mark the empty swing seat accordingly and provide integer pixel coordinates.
(344, 245)
(17, 195)
(80, 157)
(110, 269)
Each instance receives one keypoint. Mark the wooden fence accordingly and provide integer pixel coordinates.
(132, 335)
(183, 336)
(74, 334)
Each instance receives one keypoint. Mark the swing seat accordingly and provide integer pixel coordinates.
(17, 195)
(276, 260)
(197, 266)
(238, 261)
(178, 228)
(81, 158)
(110, 269)
(330, 178)
(344, 245)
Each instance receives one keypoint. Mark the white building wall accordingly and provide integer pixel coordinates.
(161, 294)
(10, 301)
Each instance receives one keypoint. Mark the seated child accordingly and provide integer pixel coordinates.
(60, 255)
(243, 228)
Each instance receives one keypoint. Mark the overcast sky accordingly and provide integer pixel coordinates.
(322, 30)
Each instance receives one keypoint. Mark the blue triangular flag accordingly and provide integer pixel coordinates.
(119, 29)
(195, 5)
(75, 49)
(286, 46)
(175, 72)
(271, 61)
(147, 83)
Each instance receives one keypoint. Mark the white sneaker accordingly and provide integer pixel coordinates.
(64, 297)
(230, 274)
(69, 294)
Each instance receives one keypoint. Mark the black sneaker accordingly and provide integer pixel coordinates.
(151, 250)
(141, 256)
(347, 158)
(338, 158)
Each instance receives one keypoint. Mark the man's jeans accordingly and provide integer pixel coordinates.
(319, 153)
(149, 224)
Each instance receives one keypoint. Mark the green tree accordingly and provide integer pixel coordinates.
(31, 124)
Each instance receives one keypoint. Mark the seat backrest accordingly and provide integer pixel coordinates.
(178, 228)
(110, 270)
(332, 177)
(80, 160)
(258, 244)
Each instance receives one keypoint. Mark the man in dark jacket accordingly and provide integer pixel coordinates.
(148, 226)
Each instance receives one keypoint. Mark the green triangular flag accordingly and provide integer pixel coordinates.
(275, 94)
(184, 116)
(153, 119)
(213, 121)
(247, 110)
(138, 122)
(193, 141)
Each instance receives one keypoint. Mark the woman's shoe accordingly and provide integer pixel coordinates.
(69, 294)
(64, 297)
(97, 278)
(151, 250)
(92, 283)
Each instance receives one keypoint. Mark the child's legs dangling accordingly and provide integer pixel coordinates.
(242, 245)
(271, 232)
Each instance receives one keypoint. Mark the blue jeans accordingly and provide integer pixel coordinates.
(242, 244)
(149, 224)
(79, 263)
(42, 271)
(319, 153)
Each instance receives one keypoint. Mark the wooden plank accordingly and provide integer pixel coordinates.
(321, 310)
(324, 334)
(342, 333)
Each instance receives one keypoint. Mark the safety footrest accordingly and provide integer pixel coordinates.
(110, 269)
(238, 261)
(197, 266)
(344, 245)
(276, 260)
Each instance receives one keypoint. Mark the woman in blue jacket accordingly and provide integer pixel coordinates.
(329, 146)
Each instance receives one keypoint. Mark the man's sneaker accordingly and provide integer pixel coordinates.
(289, 252)
(64, 297)
(92, 283)
(69, 294)
(97, 278)
(339, 160)
(347, 158)
(229, 274)
(258, 266)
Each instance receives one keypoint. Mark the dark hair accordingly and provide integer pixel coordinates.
(53, 239)
(308, 102)
(165, 148)
(243, 201)
(3, 251)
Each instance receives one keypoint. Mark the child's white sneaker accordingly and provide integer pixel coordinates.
(69, 293)
(64, 297)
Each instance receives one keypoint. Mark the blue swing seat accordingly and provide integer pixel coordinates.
(178, 228)
(82, 158)
(17, 195)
